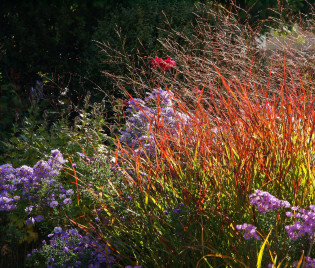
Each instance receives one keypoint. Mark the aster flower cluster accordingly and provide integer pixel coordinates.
(266, 202)
(142, 119)
(7, 198)
(25, 184)
(250, 231)
(71, 249)
(305, 223)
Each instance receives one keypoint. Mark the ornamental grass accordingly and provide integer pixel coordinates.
(187, 171)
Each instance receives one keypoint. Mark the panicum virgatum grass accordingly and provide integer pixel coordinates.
(186, 175)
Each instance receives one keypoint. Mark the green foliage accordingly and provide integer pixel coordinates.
(35, 139)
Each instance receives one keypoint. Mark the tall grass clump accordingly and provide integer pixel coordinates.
(185, 180)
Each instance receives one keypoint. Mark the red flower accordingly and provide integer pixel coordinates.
(163, 64)
(170, 62)
(156, 62)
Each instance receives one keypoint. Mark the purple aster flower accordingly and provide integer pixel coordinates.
(67, 201)
(176, 210)
(70, 192)
(57, 156)
(57, 230)
(16, 198)
(53, 204)
(39, 218)
(289, 214)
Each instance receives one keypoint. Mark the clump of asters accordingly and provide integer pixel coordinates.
(266, 202)
(35, 187)
(303, 220)
(70, 249)
(145, 115)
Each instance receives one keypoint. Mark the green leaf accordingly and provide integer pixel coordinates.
(261, 252)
